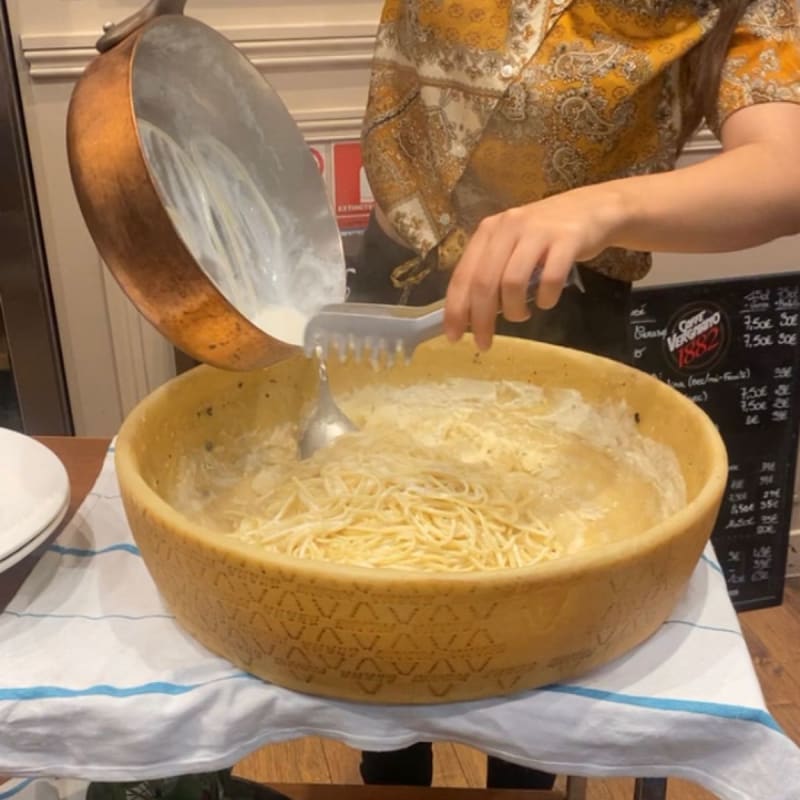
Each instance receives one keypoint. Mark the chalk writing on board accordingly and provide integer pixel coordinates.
(732, 347)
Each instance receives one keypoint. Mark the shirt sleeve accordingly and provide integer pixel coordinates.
(763, 61)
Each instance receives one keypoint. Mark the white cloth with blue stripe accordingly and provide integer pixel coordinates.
(98, 682)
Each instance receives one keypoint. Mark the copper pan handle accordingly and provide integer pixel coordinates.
(113, 33)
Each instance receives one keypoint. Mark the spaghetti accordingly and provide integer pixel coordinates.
(462, 475)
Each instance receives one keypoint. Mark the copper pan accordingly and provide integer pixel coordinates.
(199, 191)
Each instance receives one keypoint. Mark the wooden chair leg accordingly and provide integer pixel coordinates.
(576, 788)
(650, 789)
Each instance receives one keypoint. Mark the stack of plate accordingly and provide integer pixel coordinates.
(34, 496)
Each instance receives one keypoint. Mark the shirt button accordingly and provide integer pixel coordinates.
(444, 219)
(507, 71)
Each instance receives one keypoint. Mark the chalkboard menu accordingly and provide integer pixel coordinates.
(732, 346)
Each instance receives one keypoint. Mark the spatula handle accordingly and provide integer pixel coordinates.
(114, 33)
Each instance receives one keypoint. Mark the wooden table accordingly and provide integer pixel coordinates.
(326, 792)
(321, 791)
(83, 458)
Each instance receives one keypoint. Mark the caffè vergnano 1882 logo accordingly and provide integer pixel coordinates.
(697, 337)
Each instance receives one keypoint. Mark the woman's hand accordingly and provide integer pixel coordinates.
(497, 265)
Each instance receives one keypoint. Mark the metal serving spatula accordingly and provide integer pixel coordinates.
(327, 421)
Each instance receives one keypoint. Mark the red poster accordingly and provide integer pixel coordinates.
(352, 196)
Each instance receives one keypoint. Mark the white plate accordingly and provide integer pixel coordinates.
(39, 539)
(34, 488)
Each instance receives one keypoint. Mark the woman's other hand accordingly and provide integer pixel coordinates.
(496, 268)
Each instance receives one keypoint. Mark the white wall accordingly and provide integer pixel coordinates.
(83, 18)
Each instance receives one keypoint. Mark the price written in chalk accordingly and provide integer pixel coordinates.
(752, 340)
(753, 322)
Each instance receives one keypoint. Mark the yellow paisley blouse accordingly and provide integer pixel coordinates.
(476, 106)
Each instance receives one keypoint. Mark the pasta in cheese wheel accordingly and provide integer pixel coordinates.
(456, 475)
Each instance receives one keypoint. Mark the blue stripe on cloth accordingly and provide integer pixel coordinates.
(722, 710)
(17, 789)
(157, 687)
(702, 627)
(97, 618)
(83, 553)
(713, 564)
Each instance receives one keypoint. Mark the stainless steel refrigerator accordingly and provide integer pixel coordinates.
(33, 394)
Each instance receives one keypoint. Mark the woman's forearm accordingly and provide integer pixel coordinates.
(747, 195)
(738, 199)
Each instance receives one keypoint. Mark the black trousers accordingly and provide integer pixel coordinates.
(413, 766)
(595, 321)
